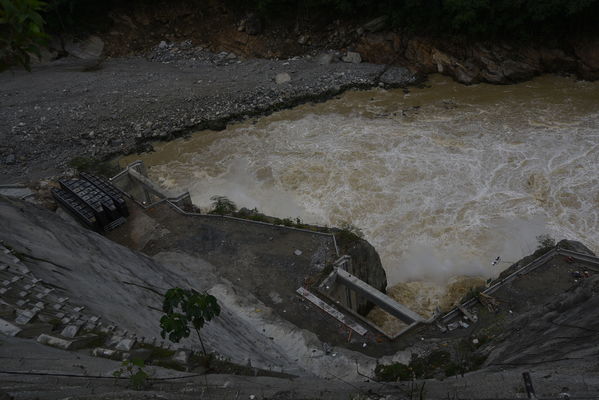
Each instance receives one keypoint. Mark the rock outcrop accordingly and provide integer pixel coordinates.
(366, 265)
(477, 62)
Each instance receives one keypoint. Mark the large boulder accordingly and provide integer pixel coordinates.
(282, 77)
(325, 59)
(352, 57)
(366, 265)
(89, 49)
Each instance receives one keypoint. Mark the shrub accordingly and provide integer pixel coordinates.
(94, 166)
(221, 205)
(21, 32)
(134, 370)
(545, 241)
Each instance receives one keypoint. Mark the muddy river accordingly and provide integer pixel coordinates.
(441, 180)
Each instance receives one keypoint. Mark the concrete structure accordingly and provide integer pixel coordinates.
(344, 288)
(134, 181)
(380, 299)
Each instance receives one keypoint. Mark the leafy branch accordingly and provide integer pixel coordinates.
(185, 307)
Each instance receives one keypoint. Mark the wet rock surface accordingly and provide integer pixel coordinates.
(63, 110)
(473, 62)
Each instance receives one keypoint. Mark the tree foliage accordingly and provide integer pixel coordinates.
(21, 32)
(185, 307)
(489, 18)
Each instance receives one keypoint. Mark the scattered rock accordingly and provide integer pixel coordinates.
(282, 77)
(10, 159)
(297, 252)
(303, 39)
(163, 45)
(325, 59)
(352, 57)
(397, 76)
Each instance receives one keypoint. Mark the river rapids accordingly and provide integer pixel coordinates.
(440, 179)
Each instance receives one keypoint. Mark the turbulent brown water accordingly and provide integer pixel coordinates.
(441, 180)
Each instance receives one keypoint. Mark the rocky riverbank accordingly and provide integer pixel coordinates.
(472, 62)
(66, 109)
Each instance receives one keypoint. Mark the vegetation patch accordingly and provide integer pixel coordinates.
(439, 362)
(94, 166)
(222, 205)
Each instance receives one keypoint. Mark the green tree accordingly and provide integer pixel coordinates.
(21, 32)
(185, 307)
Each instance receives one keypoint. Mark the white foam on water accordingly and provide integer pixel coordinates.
(440, 190)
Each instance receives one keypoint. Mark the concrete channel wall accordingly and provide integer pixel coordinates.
(341, 286)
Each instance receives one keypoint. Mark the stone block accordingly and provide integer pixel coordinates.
(126, 344)
(25, 316)
(104, 329)
(79, 342)
(8, 329)
(90, 326)
(181, 357)
(70, 331)
(106, 353)
(114, 340)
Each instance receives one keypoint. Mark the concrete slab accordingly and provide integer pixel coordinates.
(359, 329)
(380, 299)
(8, 328)
(79, 342)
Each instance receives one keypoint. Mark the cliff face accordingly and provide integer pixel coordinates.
(471, 62)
